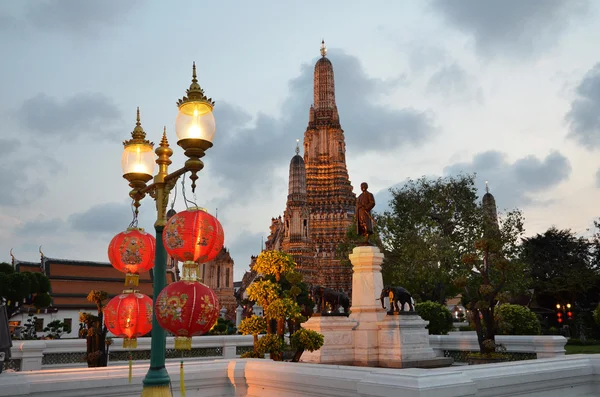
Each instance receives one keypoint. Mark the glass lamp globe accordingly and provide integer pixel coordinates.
(195, 120)
(138, 158)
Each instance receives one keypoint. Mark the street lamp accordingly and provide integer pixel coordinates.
(195, 128)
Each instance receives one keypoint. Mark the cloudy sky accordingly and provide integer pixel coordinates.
(508, 89)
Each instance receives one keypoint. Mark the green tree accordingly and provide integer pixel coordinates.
(438, 315)
(517, 320)
(56, 328)
(491, 272)
(562, 266)
(425, 234)
(23, 289)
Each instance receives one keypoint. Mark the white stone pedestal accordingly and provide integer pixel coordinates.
(366, 310)
(369, 337)
(338, 347)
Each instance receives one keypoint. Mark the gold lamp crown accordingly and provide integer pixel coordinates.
(195, 93)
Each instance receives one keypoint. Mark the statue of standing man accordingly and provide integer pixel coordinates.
(364, 204)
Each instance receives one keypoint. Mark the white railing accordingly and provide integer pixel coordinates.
(30, 353)
(543, 346)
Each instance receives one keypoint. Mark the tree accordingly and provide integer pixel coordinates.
(562, 266)
(23, 288)
(56, 328)
(491, 272)
(429, 228)
(93, 329)
(277, 292)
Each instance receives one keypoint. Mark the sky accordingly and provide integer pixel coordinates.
(508, 89)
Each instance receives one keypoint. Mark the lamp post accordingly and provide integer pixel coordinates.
(195, 128)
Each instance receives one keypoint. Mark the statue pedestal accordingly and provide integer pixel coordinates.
(338, 346)
(404, 343)
(366, 309)
(369, 337)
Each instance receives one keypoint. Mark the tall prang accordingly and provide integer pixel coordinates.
(320, 204)
(330, 198)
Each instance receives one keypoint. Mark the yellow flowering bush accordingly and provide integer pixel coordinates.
(263, 292)
(253, 325)
(284, 308)
(274, 263)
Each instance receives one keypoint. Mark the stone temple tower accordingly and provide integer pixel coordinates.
(329, 193)
(296, 217)
(320, 205)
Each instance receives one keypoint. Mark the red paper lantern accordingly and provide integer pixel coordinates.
(193, 235)
(132, 252)
(186, 308)
(128, 316)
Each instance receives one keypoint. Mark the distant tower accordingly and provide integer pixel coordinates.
(490, 211)
(330, 198)
(296, 216)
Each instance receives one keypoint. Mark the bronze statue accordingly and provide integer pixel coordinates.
(396, 294)
(364, 221)
(336, 299)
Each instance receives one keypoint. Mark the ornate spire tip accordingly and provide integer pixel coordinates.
(297, 146)
(138, 116)
(323, 48)
(487, 188)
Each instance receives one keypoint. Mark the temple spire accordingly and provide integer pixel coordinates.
(324, 87)
(298, 146)
(323, 48)
(487, 188)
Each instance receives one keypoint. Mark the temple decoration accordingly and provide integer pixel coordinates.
(129, 316)
(193, 236)
(132, 252)
(186, 308)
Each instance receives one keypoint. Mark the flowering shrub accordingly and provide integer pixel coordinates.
(263, 292)
(274, 263)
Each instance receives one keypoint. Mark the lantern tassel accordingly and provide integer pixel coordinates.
(130, 367)
(181, 380)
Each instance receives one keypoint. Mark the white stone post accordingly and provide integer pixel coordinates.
(238, 315)
(223, 312)
(32, 354)
(367, 284)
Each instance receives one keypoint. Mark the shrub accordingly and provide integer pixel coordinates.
(516, 320)
(597, 314)
(269, 343)
(438, 315)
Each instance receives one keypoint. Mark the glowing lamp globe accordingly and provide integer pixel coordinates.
(132, 252)
(193, 236)
(129, 316)
(185, 309)
(138, 158)
(195, 120)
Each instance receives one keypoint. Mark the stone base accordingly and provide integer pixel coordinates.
(338, 346)
(404, 343)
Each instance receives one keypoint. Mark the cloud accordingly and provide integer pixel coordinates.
(108, 219)
(454, 83)
(40, 227)
(598, 178)
(24, 172)
(246, 154)
(517, 27)
(84, 113)
(584, 117)
(88, 18)
(245, 245)
(512, 183)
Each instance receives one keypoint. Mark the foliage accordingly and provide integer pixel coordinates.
(517, 320)
(55, 329)
(223, 327)
(597, 314)
(491, 271)
(283, 308)
(307, 339)
(253, 325)
(269, 343)
(18, 288)
(429, 228)
(563, 267)
(252, 354)
(274, 263)
(438, 315)
(263, 292)
(28, 331)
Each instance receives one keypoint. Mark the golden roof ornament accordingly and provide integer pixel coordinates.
(298, 146)
(195, 93)
(323, 48)
(138, 135)
(487, 188)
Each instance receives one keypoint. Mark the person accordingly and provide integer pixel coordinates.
(364, 204)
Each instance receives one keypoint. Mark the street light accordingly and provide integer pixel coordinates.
(195, 128)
